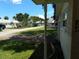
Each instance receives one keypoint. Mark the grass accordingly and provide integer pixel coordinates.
(16, 49)
(38, 32)
(9, 55)
(13, 49)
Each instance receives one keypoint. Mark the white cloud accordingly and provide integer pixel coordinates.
(13, 1)
(49, 14)
(41, 16)
(16, 1)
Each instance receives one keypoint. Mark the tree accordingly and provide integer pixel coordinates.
(22, 18)
(14, 17)
(0, 17)
(36, 18)
(25, 19)
(19, 17)
(6, 17)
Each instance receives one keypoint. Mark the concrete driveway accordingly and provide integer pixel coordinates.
(7, 33)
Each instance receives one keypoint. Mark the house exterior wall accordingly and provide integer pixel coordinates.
(65, 29)
(69, 34)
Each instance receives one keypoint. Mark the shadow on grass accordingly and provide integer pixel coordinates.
(16, 46)
(19, 45)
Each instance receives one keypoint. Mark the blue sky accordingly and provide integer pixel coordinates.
(11, 7)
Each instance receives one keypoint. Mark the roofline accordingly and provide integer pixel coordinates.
(51, 1)
(39, 3)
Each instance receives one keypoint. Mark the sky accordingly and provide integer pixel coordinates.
(11, 7)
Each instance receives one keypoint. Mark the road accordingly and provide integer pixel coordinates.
(7, 33)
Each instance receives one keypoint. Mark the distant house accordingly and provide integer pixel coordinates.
(9, 23)
(50, 22)
(39, 23)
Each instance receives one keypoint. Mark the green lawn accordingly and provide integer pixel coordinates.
(9, 55)
(13, 49)
(40, 31)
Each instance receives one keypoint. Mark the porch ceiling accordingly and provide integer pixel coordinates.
(48, 1)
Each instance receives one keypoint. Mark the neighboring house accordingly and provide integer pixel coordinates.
(9, 23)
(50, 22)
(30, 22)
(39, 23)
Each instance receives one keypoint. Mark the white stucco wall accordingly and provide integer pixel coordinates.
(65, 31)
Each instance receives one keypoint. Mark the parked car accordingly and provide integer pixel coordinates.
(2, 26)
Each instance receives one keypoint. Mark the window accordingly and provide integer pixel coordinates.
(65, 19)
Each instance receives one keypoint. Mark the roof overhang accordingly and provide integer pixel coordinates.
(38, 2)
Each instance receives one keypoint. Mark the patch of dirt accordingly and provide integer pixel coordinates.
(28, 38)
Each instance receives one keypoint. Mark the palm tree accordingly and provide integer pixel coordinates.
(14, 17)
(0, 17)
(6, 17)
